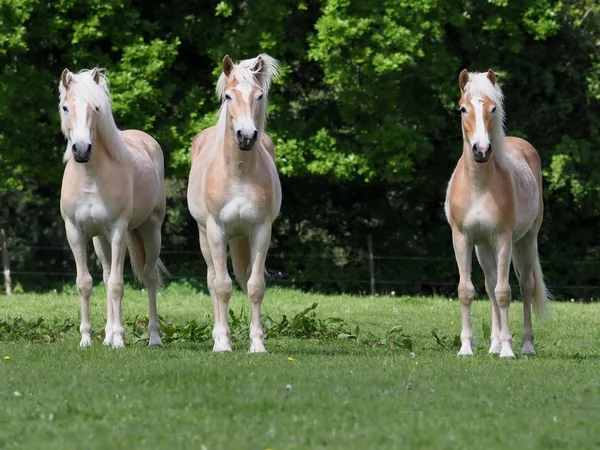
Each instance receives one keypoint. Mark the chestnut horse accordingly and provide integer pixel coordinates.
(494, 202)
(234, 193)
(112, 191)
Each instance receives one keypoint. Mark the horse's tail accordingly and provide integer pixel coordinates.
(137, 254)
(240, 259)
(541, 294)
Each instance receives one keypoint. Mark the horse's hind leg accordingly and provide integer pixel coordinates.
(526, 256)
(259, 246)
(78, 244)
(240, 259)
(219, 284)
(486, 255)
(151, 237)
(102, 248)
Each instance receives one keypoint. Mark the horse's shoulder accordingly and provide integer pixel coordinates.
(268, 145)
(200, 141)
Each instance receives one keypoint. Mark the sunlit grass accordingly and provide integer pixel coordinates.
(368, 392)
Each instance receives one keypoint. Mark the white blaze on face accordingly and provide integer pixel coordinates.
(81, 134)
(244, 121)
(481, 137)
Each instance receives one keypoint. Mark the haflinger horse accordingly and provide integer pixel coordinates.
(113, 193)
(234, 193)
(494, 202)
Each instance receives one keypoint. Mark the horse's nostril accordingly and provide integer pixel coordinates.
(89, 148)
(74, 148)
(255, 135)
(239, 134)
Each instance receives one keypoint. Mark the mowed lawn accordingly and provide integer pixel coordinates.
(319, 393)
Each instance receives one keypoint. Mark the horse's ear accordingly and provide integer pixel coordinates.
(96, 75)
(258, 65)
(491, 75)
(227, 65)
(463, 79)
(66, 78)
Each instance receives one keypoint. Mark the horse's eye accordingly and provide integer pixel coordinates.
(259, 97)
(97, 109)
(463, 109)
(493, 109)
(65, 109)
(227, 97)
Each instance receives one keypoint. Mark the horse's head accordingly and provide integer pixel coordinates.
(243, 88)
(80, 104)
(481, 111)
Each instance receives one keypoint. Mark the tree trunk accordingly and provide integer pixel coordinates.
(5, 262)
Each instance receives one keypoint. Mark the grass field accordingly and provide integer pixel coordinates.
(378, 390)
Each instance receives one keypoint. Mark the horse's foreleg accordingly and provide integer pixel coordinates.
(115, 283)
(463, 251)
(215, 244)
(502, 292)
(259, 246)
(102, 248)
(78, 243)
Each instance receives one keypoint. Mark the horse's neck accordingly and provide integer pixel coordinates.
(480, 175)
(237, 162)
(99, 161)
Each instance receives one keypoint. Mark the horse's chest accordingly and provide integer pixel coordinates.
(479, 221)
(89, 213)
(240, 210)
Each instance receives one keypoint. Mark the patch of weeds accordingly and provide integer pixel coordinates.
(38, 330)
(447, 342)
(306, 325)
(192, 331)
(396, 337)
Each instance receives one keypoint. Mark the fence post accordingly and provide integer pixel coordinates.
(371, 262)
(5, 262)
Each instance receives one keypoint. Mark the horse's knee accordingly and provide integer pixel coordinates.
(115, 289)
(466, 292)
(223, 288)
(256, 290)
(503, 295)
(84, 285)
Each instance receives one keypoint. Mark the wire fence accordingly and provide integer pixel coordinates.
(362, 272)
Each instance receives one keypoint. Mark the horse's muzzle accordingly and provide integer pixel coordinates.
(246, 141)
(82, 155)
(481, 156)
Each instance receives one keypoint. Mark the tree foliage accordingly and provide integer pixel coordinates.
(363, 117)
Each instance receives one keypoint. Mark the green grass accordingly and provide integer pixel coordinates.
(345, 393)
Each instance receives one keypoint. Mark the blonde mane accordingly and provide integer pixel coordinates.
(479, 85)
(97, 95)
